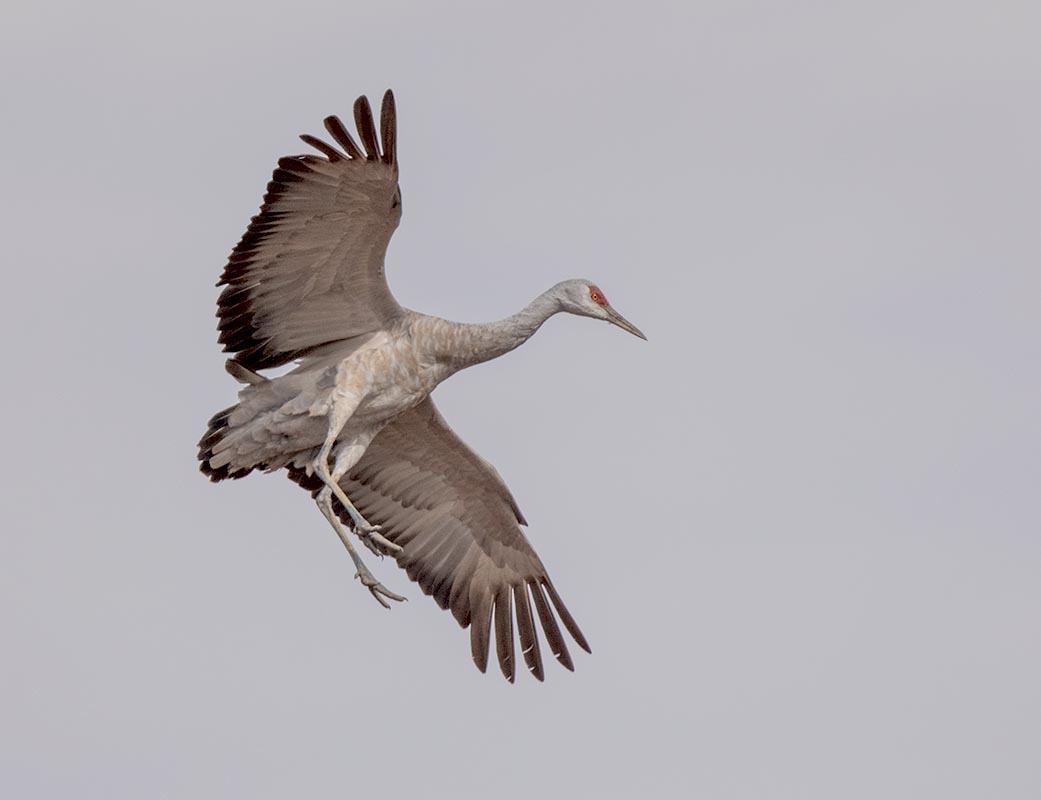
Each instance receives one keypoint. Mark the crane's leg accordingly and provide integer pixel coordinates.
(378, 590)
(347, 458)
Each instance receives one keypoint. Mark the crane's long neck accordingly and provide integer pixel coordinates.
(469, 344)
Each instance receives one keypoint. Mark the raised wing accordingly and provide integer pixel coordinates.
(309, 269)
(460, 530)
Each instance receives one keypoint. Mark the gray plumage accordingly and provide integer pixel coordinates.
(353, 423)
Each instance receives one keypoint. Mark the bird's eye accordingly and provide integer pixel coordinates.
(597, 296)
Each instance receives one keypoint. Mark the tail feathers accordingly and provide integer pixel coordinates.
(218, 428)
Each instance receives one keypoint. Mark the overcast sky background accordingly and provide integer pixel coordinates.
(801, 526)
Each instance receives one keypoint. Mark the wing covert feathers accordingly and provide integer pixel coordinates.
(462, 543)
(309, 268)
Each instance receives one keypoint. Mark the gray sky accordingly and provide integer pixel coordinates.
(800, 526)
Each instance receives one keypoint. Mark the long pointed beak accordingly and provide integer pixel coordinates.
(617, 319)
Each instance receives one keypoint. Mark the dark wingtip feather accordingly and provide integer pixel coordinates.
(294, 164)
(342, 136)
(529, 638)
(504, 633)
(557, 645)
(389, 128)
(366, 128)
(330, 152)
(480, 631)
(565, 616)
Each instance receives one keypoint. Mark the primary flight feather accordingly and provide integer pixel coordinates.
(353, 422)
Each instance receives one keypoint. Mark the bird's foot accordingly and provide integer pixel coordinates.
(374, 540)
(378, 590)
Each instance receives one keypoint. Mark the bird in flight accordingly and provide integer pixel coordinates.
(353, 422)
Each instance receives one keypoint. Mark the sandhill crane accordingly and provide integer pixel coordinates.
(353, 422)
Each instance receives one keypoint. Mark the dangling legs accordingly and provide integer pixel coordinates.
(346, 458)
(378, 590)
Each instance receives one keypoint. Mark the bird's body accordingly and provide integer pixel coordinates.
(353, 422)
(283, 421)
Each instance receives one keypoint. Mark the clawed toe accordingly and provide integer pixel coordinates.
(377, 542)
(378, 590)
(369, 534)
(369, 543)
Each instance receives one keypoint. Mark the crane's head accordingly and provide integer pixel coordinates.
(585, 299)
